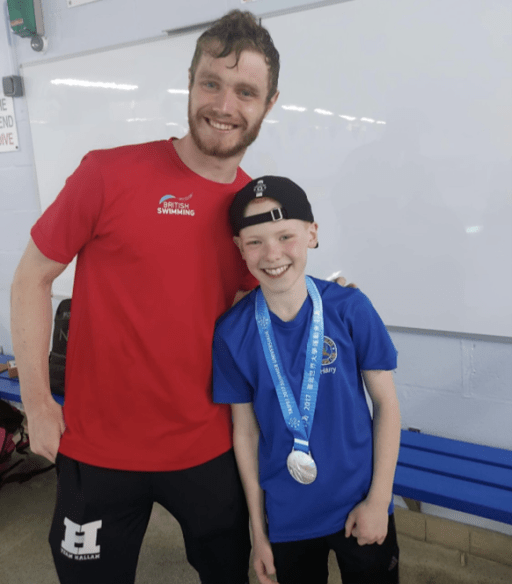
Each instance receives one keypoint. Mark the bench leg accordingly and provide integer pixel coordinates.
(413, 505)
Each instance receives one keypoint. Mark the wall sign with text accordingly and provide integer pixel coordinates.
(8, 132)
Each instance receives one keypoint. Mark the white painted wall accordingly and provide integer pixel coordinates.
(454, 386)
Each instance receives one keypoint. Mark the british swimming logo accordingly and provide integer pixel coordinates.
(171, 205)
(329, 355)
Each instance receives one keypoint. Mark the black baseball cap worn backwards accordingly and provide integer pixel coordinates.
(294, 202)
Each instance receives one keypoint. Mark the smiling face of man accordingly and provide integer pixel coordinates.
(228, 103)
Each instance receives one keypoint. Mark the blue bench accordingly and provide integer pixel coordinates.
(459, 475)
(10, 388)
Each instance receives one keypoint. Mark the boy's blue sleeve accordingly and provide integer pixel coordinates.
(374, 347)
(229, 384)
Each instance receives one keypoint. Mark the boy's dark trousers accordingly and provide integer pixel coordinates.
(305, 562)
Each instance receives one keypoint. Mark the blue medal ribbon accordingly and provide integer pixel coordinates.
(299, 422)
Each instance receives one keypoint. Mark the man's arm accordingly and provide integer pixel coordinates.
(368, 521)
(246, 437)
(31, 325)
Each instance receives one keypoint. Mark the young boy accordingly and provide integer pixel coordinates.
(291, 358)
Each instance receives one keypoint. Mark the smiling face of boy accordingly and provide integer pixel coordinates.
(276, 251)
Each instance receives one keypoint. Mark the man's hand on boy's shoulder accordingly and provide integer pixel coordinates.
(339, 280)
(239, 295)
(343, 282)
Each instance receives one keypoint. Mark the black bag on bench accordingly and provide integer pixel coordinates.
(59, 346)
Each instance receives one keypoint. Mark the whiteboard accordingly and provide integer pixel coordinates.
(130, 94)
(394, 116)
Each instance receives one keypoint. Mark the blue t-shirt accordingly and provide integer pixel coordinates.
(355, 339)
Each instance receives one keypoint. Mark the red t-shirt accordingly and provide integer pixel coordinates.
(156, 267)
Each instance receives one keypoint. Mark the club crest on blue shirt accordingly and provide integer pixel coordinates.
(329, 352)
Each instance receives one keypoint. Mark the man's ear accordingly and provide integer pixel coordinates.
(313, 235)
(271, 103)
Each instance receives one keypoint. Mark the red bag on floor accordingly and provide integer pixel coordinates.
(12, 436)
(13, 439)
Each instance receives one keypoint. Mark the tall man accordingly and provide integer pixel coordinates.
(156, 266)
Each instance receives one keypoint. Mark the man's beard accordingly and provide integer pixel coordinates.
(246, 139)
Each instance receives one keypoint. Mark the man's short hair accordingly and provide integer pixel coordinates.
(238, 31)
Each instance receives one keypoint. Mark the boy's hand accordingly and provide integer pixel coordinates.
(368, 523)
(264, 561)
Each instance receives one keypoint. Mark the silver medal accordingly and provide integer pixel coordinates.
(301, 466)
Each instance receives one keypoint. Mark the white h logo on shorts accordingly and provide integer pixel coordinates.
(81, 539)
